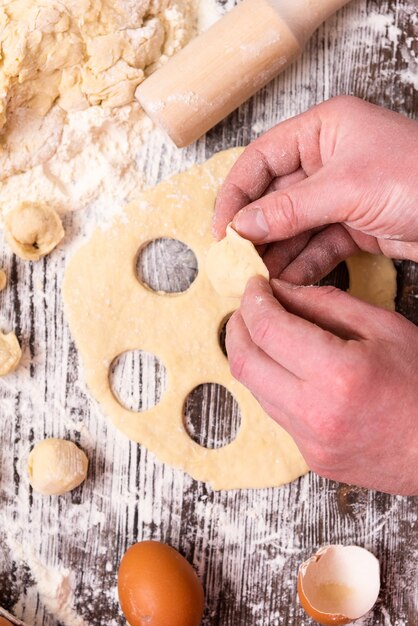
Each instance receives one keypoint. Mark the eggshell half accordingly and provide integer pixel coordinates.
(339, 584)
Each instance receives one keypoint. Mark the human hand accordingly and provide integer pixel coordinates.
(338, 178)
(338, 374)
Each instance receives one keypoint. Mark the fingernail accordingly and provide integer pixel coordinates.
(251, 224)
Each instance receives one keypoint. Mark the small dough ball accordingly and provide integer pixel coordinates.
(56, 466)
(33, 230)
(3, 283)
(10, 353)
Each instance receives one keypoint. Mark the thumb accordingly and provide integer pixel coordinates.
(323, 198)
(332, 309)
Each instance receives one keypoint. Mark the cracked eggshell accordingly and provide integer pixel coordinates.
(339, 584)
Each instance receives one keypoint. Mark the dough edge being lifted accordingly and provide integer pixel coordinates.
(103, 298)
(231, 262)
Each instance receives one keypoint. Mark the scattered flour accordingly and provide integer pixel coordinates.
(94, 163)
(393, 37)
(55, 586)
(209, 12)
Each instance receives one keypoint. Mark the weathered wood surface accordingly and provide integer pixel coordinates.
(245, 545)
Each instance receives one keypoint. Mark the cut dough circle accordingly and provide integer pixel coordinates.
(56, 466)
(33, 230)
(110, 312)
(10, 353)
(231, 262)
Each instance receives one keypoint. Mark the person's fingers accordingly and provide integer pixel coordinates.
(321, 254)
(330, 308)
(260, 374)
(288, 339)
(281, 151)
(324, 198)
(278, 255)
(286, 181)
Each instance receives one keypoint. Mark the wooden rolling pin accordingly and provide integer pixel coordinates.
(7, 619)
(223, 67)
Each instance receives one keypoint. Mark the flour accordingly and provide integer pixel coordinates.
(54, 585)
(209, 12)
(73, 157)
(93, 163)
(393, 37)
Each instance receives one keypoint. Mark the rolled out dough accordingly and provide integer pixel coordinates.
(110, 312)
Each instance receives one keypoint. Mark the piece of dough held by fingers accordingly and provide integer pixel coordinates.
(231, 262)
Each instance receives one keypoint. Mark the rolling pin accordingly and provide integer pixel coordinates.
(230, 62)
(7, 619)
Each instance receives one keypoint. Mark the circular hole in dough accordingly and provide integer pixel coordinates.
(138, 380)
(212, 416)
(167, 265)
(339, 277)
(222, 334)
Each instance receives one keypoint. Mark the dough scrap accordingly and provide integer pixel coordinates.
(3, 280)
(33, 230)
(110, 312)
(231, 262)
(10, 353)
(56, 466)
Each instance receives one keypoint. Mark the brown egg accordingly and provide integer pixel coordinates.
(339, 584)
(5, 622)
(158, 587)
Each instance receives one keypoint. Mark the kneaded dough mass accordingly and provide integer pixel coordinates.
(56, 466)
(110, 312)
(79, 53)
(33, 230)
(231, 262)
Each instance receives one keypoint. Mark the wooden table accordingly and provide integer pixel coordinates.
(246, 546)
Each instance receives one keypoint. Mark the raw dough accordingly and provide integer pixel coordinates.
(110, 312)
(373, 279)
(10, 353)
(56, 466)
(81, 52)
(3, 280)
(231, 262)
(33, 230)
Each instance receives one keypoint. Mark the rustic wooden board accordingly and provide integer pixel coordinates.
(245, 545)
